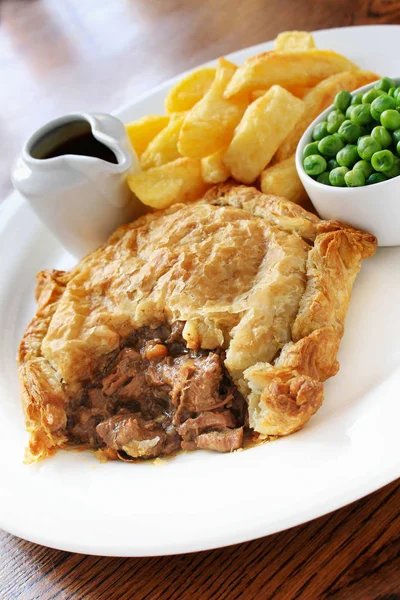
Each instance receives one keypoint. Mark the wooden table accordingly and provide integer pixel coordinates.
(57, 56)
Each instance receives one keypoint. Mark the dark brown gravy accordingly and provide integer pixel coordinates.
(83, 145)
(74, 137)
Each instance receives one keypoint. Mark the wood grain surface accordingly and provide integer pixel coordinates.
(63, 55)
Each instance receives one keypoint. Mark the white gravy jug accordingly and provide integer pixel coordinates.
(73, 173)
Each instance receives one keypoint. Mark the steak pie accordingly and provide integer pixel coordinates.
(190, 327)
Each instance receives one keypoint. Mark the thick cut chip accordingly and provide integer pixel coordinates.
(185, 94)
(213, 168)
(177, 181)
(297, 90)
(264, 126)
(294, 40)
(257, 94)
(141, 132)
(282, 180)
(164, 147)
(210, 124)
(289, 67)
(320, 98)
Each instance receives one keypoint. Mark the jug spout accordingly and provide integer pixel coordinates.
(73, 172)
(111, 132)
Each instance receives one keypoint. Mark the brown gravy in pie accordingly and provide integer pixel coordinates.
(155, 396)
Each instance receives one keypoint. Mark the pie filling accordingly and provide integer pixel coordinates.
(155, 397)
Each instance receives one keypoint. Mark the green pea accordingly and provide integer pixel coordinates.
(361, 114)
(376, 178)
(365, 167)
(349, 132)
(342, 100)
(330, 145)
(395, 170)
(320, 131)
(367, 146)
(382, 161)
(382, 136)
(347, 156)
(349, 111)
(375, 115)
(324, 178)
(396, 93)
(356, 99)
(390, 119)
(332, 164)
(385, 84)
(354, 178)
(309, 149)
(391, 92)
(314, 164)
(369, 96)
(398, 148)
(381, 104)
(336, 177)
(396, 136)
(335, 119)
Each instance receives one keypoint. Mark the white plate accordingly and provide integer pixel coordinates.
(202, 500)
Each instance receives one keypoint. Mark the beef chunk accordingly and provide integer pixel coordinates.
(194, 382)
(175, 342)
(221, 441)
(211, 431)
(129, 382)
(136, 437)
(201, 389)
(175, 335)
(128, 372)
(190, 429)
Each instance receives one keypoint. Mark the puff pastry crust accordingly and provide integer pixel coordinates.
(251, 273)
